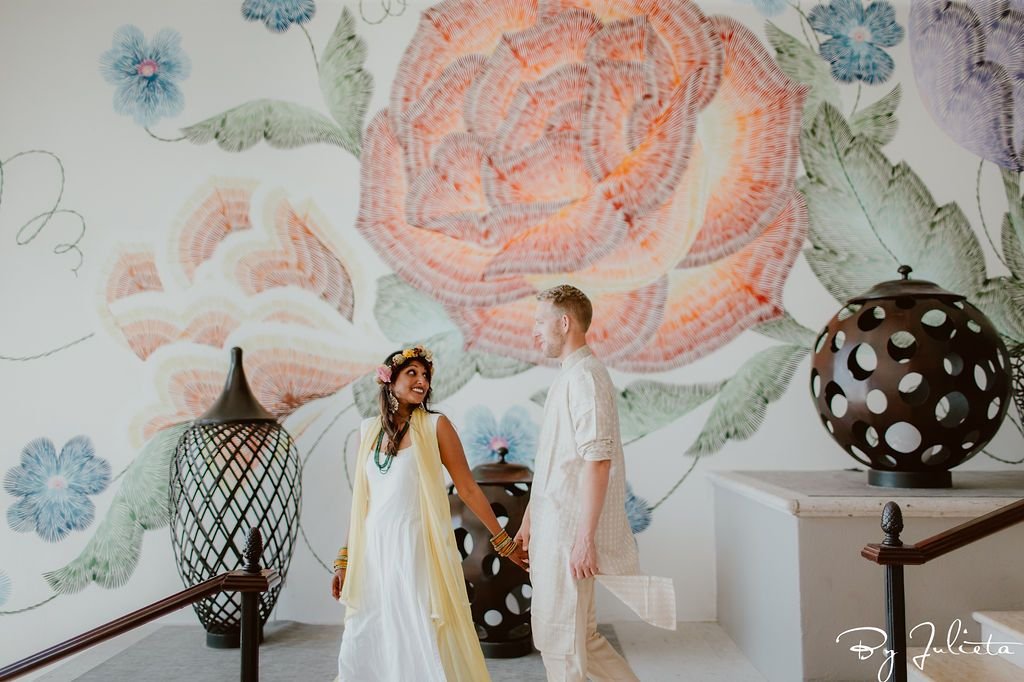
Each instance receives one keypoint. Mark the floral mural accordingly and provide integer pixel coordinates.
(54, 489)
(676, 164)
(530, 148)
(146, 74)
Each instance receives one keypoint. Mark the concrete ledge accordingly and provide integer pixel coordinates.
(847, 493)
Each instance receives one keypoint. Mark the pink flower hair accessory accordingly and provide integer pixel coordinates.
(383, 374)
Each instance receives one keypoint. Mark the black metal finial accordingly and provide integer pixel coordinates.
(904, 271)
(236, 401)
(253, 550)
(502, 451)
(892, 524)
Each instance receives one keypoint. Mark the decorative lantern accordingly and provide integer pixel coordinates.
(911, 380)
(235, 468)
(499, 591)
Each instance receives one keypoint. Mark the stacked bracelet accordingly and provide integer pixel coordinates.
(503, 544)
(341, 562)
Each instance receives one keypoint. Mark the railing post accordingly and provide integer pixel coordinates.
(250, 636)
(895, 600)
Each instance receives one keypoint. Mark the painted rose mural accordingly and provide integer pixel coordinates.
(526, 146)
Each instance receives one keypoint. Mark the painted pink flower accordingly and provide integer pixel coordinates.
(640, 150)
(274, 287)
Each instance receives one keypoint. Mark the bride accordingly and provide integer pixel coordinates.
(400, 576)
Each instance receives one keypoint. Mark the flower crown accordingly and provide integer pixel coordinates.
(384, 371)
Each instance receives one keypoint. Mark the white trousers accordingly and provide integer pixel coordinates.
(594, 658)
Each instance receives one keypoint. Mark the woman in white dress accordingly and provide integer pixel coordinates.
(400, 575)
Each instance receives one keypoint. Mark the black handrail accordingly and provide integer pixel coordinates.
(894, 555)
(250, 581)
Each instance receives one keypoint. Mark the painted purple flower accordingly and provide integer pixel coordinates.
(55, 489)
(858, 35)
(278, 15)
(637, 511)
(146, 74)
(485, 437)
(969, 67)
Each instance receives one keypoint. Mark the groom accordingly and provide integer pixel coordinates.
(575, 528)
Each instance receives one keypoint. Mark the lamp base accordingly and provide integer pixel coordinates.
(512, 649)
(232, 639)
(910, 479)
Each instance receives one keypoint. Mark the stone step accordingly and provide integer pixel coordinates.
(947, 667)
(1005, 628)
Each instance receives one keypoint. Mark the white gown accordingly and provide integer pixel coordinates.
(391, 637)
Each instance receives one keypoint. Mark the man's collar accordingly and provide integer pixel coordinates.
(576, 356)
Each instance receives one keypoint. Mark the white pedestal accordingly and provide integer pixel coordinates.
(790, 577)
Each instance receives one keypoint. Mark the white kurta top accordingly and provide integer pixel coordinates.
(581, 422)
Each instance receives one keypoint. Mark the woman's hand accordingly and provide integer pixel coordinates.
(520, 558)
(337, 582)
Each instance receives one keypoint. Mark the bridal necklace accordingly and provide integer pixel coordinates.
(385, 466)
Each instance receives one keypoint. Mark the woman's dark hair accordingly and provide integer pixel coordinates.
(385, 397)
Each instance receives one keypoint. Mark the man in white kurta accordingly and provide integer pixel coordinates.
(581, 426)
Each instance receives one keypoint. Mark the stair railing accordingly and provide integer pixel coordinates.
(894, 555)
(251, 580)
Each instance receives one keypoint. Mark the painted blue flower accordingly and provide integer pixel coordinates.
(55, 488)
(768, 8)
(146, 74)
(5, 588)
(485, 437)
(637, 511)
(858, 36)
(278, 15)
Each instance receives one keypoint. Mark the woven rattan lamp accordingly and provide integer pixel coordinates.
(235, 468)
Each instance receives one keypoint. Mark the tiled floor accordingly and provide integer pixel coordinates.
(296, 651)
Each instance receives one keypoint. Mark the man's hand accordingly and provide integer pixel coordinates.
(523, 536)
(336, 583)
(583, 560)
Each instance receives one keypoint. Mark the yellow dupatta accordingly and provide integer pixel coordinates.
(449, 606)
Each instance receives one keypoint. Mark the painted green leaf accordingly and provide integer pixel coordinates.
(646, 406)
(787, 330)
(857, 201)
(1012, 250)
(877, 123)
(140, 504)
(1013, 224)
(407, 316)
(283, 125)
(803, 65)
(1002, 300)
(743, 401)
(345, 84)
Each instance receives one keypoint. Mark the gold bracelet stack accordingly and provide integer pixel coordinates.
(341, 562)
(503, 544)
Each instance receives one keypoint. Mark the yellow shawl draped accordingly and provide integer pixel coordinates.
(456, 635)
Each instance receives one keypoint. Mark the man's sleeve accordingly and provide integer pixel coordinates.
(592, 406)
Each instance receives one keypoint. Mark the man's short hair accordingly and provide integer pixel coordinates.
(571, 301)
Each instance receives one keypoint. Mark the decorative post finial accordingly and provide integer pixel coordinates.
(502, 451)
(253, 550)
(904, 271)
(892, 524)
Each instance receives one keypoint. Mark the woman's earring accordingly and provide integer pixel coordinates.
(392, 401)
